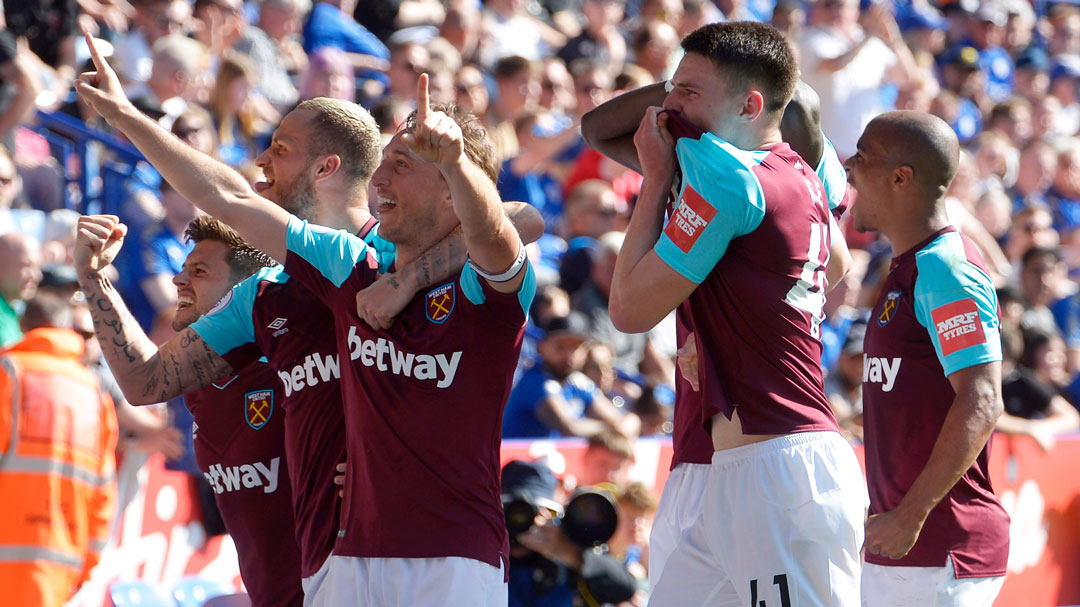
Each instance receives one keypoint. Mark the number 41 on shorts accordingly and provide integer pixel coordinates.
(780, 581)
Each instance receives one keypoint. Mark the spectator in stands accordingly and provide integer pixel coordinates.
(151, 20)
(145, 429)
(328, 74)
(230, 29)
(554, 398)
(1042, 282)
(330, 23)
(517, 92)
(600, 368)
(178, 62)
(407, 61)
(1064, 80)
(1032, 73)
(509, 30)
(1032, 226)
(20, 273)
(987, 33)
(848, 66)
(58, 438)
(237, 120)
(1064, 195)
(27, 221)
(1035, 174)
(843, 384)
(546, 568)
(1064, 35)
(1034, 405)
(557, 89)
(607, 459)
(654, 46)
(634, 354)
(527, 175)
(47, 31)
(1012, 118)
(18, 85)
(282, 20)
(630, 544)
(600, 41)
(195, 128)
(462, 28)
(471, 94)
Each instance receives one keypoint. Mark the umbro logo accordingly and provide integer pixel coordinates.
(798, 165)
(278, 325)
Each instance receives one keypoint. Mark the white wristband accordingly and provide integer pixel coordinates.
(509, 274)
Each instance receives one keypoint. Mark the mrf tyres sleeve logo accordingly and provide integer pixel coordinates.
(690, 220)
(958, 326)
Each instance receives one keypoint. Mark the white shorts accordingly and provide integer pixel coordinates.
(315, 594)
(679, 509)
(782, 523)
(399, 582)
(926, 587)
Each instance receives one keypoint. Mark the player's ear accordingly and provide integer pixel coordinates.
(753, 105)
(328, 166)
(903, 175)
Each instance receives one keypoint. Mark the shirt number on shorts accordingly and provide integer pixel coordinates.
(780, 581)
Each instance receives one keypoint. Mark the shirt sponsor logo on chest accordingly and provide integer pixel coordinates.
(883, 371)
(388, 357)
(316, 368)
(226, 479)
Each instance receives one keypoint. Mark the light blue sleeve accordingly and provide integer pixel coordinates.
(385, 251)
(332, 252)
(832, 174)
(957, 304)
(470, 286)
(721, 200)
(228, 324)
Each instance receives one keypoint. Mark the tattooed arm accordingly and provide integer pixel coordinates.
(379, 303)
(146, 374)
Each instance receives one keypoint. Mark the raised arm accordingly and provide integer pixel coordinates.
(211, 185)
(610, 128)
(490, 238)
(146, 374)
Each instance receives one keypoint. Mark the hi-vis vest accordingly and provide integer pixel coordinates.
(57, 469)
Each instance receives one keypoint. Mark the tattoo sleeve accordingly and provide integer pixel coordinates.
(146, 373)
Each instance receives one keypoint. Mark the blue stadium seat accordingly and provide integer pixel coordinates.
(194, 591)
(138, 593)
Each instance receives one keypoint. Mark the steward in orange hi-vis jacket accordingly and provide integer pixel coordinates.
(57, 469)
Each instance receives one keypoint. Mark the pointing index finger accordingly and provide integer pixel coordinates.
(423, 107)
(95, 54)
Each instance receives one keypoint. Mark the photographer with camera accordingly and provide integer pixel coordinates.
(558, 557)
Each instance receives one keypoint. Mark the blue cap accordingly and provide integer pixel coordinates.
(1033, 58)
(533, 478)
(1065, 65)
(922, 17)
(964, 56)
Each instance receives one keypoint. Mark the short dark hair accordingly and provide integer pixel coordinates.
(243, 259)
(478, 146)
(513, 65)
(750, 54)
(1030, 255)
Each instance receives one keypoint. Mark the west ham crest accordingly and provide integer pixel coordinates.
(439, 303)
(260, 405)
(888, 309)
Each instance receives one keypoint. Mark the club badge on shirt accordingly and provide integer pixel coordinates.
(958, 325)
(888, 309)
(439, 303)
(260, 406)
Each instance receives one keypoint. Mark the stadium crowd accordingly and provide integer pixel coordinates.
(222, 74)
